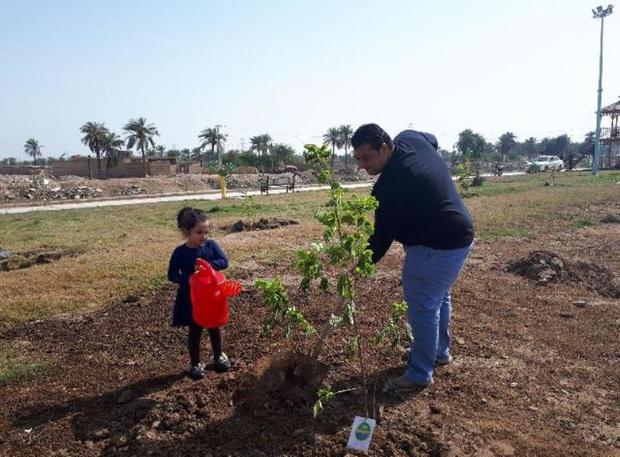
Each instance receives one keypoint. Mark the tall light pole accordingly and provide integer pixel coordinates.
(599, 13)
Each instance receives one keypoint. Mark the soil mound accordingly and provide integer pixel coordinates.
(547, 267)
(611, 219)
(279, 381)
(261, 224)
(19, 261)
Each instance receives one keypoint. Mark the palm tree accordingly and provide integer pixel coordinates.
(197, 156)
(260, 143)
(112, 149)
(140, 134)
(159, 151)
(95, 134)
(333, 138)
(346, 132)
(215, 138)
(33, 149)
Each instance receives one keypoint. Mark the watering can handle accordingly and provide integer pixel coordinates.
(208, 269)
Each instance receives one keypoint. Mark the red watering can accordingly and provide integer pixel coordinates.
(209, 291)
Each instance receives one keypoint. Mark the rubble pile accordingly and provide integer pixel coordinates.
(42, 188)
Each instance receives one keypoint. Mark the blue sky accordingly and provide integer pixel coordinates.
(295, 68)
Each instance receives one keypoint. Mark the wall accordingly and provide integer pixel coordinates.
(21, 170)
(132, 169)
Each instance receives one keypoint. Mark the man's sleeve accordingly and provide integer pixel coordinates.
(381, 240)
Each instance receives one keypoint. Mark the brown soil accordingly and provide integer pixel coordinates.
(285, 380)
(547, 267)
(261, 224)
(21, 260)
(534, 373)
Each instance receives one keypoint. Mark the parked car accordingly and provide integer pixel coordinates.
(544, 163)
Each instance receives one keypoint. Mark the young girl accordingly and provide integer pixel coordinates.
(194, 226)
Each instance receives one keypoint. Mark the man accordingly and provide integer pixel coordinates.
(420, 207)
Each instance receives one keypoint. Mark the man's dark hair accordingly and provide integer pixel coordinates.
(371, 134)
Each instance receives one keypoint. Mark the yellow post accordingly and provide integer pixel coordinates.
(223, 186)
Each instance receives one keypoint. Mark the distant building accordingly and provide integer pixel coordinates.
(610, 137)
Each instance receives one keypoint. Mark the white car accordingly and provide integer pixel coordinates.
(545, 163)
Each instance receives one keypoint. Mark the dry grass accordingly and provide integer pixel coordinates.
(125, 249)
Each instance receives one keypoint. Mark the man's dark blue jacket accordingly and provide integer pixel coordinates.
(418, 201)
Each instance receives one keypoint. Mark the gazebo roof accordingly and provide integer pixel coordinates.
(614, 108)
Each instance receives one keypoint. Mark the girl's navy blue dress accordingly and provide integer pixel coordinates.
(181, 266)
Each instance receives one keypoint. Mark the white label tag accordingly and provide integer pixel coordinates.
(361, 434)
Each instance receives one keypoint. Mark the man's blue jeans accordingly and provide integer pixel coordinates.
(428, 275)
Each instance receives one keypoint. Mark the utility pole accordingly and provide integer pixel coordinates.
(599, 13)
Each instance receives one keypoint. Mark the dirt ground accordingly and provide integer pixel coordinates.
(536, 371)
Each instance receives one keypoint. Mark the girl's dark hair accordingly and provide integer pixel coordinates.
(188, 217)
(371, 134)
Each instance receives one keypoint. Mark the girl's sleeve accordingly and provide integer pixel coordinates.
(174, 273)
(217, 258)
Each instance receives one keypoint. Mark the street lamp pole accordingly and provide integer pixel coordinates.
(599, 13)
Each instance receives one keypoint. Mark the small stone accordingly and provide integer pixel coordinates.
(89, 444)
(299, 432)
(567, 315)
(533, 408)
(203, 412)
(484, 400)
(155, 424)
(460, 341)
(514, 385)
(101, 434)
(580, 303)
(119, 440)
(435, 409)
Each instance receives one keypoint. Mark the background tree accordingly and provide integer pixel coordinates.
(555, 146)
(471, 146)
(584, 150)
(260, 144)
(505, 144)
(33, 149)
(530, 148)
(346, 132)
(95, 134)
(112, 150)
(215, 138)
(197, 155)
(159, 151)
(282, 153)
(140, 134)
(333, 137)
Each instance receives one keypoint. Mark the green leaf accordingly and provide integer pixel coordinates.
(345, 286)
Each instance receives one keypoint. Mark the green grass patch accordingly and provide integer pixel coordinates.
(496, 233)
(582, 222)
(14, 369)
